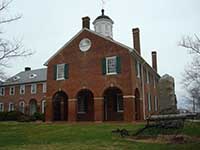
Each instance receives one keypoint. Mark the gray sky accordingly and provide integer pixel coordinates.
(48, 24)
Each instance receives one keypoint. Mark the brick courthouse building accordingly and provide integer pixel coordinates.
(95, 78)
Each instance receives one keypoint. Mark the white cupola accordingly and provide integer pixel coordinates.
(104, 25)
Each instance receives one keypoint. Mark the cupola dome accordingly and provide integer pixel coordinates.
(104, 25)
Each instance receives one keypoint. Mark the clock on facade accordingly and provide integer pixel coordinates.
(85, 44)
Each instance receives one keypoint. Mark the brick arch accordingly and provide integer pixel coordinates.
(85, 105)
(113, 104)
(60, 106)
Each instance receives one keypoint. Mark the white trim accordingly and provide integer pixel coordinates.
(111, 58)
(118, 110)
(129, 96)
(72, 99)
(11, 108)
(12, 87)
(22, 109)
(43, 105)
(57, 71)
(34, 92)
(2, 104)
(44, 87)
(22, 87)
(2, 93)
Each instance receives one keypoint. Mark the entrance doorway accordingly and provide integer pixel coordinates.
(85, 105)
(60, 106)
(113, 104)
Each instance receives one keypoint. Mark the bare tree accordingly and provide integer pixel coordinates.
(9, 49)
(191, 76)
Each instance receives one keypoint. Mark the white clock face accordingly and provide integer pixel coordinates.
(85, 45)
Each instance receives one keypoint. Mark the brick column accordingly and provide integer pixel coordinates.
(72, 110)
(129, 107)
(49, 110)
(98, 109)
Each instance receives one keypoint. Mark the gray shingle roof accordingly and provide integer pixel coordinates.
(30, 76)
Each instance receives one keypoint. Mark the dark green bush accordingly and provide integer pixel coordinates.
(38, 116)
(13, 115)
(3, 116)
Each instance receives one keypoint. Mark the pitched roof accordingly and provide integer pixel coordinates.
(30, 76)
(131, 50)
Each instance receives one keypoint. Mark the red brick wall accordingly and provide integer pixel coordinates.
(17, 97)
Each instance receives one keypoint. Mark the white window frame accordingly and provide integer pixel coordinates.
(32, 85)
(149, 102)
(43, 106)
(1, 107)
(57, 72)
(11, 108)
(22, 109)
(2, 91)
(155, 103)
(118, 110)
(22, 88)
(12, 87)
(44, 87)
(110, 58)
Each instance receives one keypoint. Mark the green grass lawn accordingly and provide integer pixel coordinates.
(32, 136)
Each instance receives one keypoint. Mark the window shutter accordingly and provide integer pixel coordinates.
(118, 64)
(103, 65)
(66, 71)
(55, 72)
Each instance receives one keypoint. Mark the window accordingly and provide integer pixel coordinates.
(138, 68)
(149, 101)
(111, 65)
(22, 106)
(33, 88)
(12, 90)
(155, 103)
(11, 107)
(33, 75)
(16, 78)
(22, 89)
(44, 87)
(2, 91)
(43, 106)
(120, 107)
(61, 71)
(1, 107)
(147, 75)
(154, 82)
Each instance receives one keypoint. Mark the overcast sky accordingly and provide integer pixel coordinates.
(47, 25)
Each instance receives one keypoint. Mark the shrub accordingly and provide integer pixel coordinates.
(24, 118)
(13, 115)
(3, 116)
(38, 116)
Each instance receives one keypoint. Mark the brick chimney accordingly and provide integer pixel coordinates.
(86, 22)
(154, 60)
(136, 39)
(27, 69)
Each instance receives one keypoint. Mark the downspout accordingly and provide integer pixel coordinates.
(143, 90)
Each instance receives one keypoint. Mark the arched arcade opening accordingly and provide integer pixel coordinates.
(60, 106)
(85, 105)
(113, 104)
